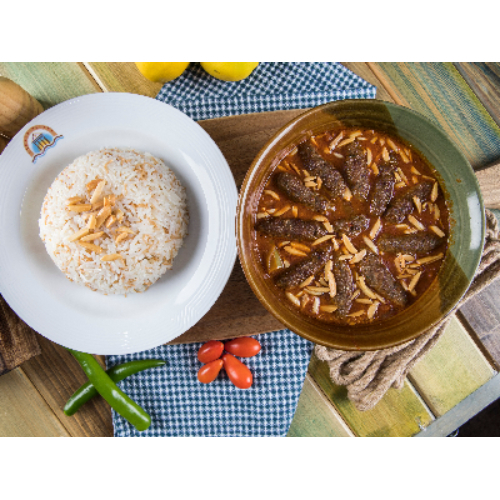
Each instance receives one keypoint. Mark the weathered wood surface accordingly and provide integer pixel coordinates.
(323, 408)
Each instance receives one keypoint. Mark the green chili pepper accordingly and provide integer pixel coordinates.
(117, 373)
(117, 399)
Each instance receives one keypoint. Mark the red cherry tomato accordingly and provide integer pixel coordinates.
(238, 373)
(210, 351)
(208, 373)
(244, 347)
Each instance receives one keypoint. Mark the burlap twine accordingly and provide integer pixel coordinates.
(368, 375)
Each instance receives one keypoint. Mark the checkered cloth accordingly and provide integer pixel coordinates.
(271, 87)
(178, 404)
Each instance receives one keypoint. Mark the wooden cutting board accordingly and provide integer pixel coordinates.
(237, 312)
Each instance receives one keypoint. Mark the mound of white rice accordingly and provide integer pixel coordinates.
(114, 220)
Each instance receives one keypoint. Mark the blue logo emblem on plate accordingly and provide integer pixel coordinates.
(38, 139)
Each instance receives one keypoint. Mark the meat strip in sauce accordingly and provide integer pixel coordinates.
(379, 278)
(296, 191)
(403, 204)
(356, 171)
(345, 286)
(299, 272)
(292, 229)
(383, 188)
(351, 226)
(315, 164)
(417, 243)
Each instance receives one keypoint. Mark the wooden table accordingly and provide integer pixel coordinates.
(452, 383)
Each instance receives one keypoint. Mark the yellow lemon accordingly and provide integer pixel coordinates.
(162, 71)
(229, 71)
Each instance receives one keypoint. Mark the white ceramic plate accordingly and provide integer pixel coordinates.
(72, 315)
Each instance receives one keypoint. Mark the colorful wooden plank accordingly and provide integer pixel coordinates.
(23, 412)
(315, 416)
(51, 83)
(122, 77)
(438, 91)
(484, 80)
(452, 370)
(399, 412)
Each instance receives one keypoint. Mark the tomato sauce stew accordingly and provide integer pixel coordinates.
(352, 226)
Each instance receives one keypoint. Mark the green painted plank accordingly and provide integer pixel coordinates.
(315, 415)
(438, 91)
(452, 370)
(51, 83)
(399, 413)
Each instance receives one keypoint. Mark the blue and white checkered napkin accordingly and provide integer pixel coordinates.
(178, 404)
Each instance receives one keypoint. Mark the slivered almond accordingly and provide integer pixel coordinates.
(98, 205)
(358, 257)
(415, 222)
(381, 141)
(74, 200)
(300, 246)
(437, 212)
(375, 229)
(338, 155)
(373, 140)
(328, 309)
(347, 194)
(102, 215)
(320, 218)
(91, 222)
(348, 244)
(322, 239)
(307, 282)
(286, 263)
(400, 184)
(355, 134)
(403, 156)
(306, 173)
(391, 144)
(295, 168)
(309, 178)
(364, 301)
(365, 289)
(414, 171)
(291, 297)
(318, 289)
(97, 192)
(431, 258)
(375, 169)
(111, 256)
(315, 306)
(346, 257)
(121, 237)
(438, 231)
(356, 314)
(356, 293)
(310, 184)
(93, 236)
(332, 284)
(328, 226)
(110, 221)
(403, 176)
(418, 204)
(79, 234)
(263, 215)
(407, 258)
(119, 214)
(92, 184)
(402, 226)
(385, 154)
(414, 281)
(313, 140)
(79, 208)
(272, 194)
(319, 182)
(369, 156)
(336, 141)
(434, 192)
(397, 264)
(304, 301)
(281, 211)
(295, 211)
(283, 243)
(372, 310)
(346, 141)
(293, 251)
(369, 243)
(90, 246)
(414, 179)
(271, 210)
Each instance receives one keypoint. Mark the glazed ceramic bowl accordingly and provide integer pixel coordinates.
(457, 181)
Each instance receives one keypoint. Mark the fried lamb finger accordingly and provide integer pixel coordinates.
(345, 286)
(403, 204)
(383, 188)
(380, 279)
(416, 243)
(356, 171)
(299, 272)
(314, 163)
(292, 229)
(293, 187)
(351, 226)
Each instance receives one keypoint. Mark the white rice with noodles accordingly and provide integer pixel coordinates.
(141, 213)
